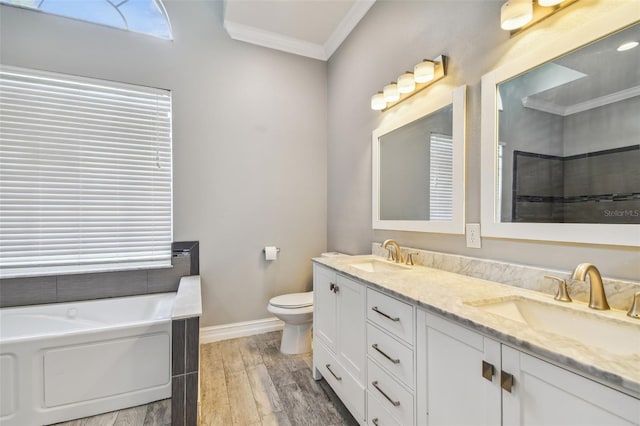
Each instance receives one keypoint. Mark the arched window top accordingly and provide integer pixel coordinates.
(140, 16)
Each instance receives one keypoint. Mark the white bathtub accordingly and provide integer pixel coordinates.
(69, 360)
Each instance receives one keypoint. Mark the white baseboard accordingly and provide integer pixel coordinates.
(239, 329)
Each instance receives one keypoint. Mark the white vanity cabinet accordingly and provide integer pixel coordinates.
(466, 378)
(391, 360)
(339, 336)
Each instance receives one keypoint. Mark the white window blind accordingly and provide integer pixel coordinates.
(441, 177)
(85, 175)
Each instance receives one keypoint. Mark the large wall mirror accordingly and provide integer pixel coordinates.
(561, 143)
(418, 166)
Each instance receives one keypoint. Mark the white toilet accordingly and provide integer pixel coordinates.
(296, 310)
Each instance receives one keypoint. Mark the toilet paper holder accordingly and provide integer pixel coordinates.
(277, 249)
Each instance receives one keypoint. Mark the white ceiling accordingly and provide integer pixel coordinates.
(312, 28)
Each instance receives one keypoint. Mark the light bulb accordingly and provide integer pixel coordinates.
(547, 3)
(424, 71)
(515, 14)
(406, 83)
(391, 93)
(377, 102)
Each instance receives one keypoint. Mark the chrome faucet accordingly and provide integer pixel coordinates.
(597, 296)
(398, 253)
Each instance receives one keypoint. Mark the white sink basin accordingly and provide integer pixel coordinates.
(375, 265)
(590, 329)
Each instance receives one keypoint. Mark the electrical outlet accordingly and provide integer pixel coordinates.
(473, 235)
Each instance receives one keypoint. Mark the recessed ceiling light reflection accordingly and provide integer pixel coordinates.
(627, 46)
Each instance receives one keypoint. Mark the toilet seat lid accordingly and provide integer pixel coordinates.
(293, 300)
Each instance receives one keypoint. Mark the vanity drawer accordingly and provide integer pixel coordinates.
(390, 314)
(351, 393)
(391, 354)
(390, 394)
(377, 415)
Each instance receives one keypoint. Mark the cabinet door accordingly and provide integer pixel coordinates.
(351, 326)
(325, 306)
(457, 392)
(544, 394)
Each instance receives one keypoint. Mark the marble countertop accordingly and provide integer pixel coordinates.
(188, 301)
(445, 293)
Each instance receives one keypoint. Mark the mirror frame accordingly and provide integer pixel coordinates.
(436, 100)
(609, 234)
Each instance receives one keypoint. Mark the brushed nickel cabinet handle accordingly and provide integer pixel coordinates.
(334, 374)
(488, 370)
(378, 311)
(375, 385)
(506, 381)
(393, 360)
(375, 421)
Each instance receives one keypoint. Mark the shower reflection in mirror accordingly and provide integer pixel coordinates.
(569, 137)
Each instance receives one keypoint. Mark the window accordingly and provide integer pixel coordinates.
(85, 175)
(441, 177)
(140, 16)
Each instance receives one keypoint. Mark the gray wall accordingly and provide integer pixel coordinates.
(249, 141)
(587, 131)
(391, 38)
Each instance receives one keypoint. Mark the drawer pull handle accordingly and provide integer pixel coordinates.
(395, 361)
(506, 381)
(375, 385)
(334, 374)
(487, 371)
(376, 310)
(375, 421)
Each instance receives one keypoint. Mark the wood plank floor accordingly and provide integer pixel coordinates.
(155, 414)
(246, 382)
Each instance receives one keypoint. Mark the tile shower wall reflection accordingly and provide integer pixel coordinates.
(596, 187)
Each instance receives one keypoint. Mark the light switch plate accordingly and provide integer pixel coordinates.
(473, 235)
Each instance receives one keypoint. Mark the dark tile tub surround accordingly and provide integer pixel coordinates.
(67, 288)
(185, 349)
(184, 375)
(100, 286)
(27, 291)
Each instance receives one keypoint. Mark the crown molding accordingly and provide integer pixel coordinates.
(322, 52)
(273, 40)
(564, 111)
(348, 23)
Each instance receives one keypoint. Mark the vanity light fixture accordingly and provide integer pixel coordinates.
(548, 3)
(627, 46)
(425, 74)
(406, 83)
(377, 102)
(517, 15)
(424, 71)
(391, 93)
